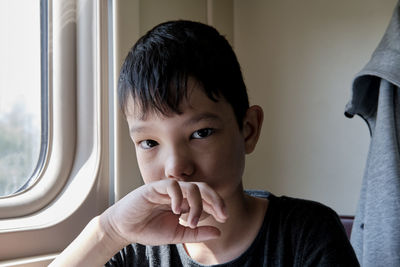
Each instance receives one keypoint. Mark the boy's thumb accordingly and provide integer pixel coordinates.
(198, 234)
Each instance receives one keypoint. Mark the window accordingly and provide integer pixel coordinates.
(70, 184)
(23, 93)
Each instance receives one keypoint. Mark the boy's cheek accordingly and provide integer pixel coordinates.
(149, 172)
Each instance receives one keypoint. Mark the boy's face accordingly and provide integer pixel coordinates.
(203, 144)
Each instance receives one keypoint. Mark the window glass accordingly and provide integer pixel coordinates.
(22, 87)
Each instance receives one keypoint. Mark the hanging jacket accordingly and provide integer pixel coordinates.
(376, 98)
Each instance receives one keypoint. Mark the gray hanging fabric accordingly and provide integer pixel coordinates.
(376, 98)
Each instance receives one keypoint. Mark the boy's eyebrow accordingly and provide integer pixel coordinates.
(200, 117)
(195, 119)
(137, 129)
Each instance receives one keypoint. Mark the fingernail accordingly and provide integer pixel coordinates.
(195, 221)
(178, 210)
(225, 211)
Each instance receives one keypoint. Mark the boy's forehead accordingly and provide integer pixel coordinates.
(136, 110)
(196, 105)
(194, 99)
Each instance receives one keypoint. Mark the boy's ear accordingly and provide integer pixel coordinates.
(252, 123)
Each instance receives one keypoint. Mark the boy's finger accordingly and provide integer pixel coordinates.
(166, 192)
(175, 193)
(193, 196)
(214, 200)
(208, 208)
(197, 196)
(211, 201)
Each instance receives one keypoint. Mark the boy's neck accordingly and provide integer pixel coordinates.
(237, 234)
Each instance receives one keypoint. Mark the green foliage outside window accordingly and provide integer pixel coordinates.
(19, 149)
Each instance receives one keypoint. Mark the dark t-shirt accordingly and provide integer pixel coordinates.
(294, 232)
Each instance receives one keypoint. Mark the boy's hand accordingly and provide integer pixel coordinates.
(150, 214)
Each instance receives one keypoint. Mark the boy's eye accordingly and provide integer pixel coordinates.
(147, 144)
(202, 133)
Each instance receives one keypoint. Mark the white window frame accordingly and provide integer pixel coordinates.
(62, 125)
(75, 177)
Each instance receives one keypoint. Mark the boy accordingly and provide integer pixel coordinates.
(183, 95)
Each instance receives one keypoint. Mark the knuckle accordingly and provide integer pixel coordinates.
(193, 189)
(172, 184)
(201, 184)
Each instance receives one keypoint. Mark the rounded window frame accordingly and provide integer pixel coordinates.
(55, 166)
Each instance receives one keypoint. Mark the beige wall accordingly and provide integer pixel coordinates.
(298, 60)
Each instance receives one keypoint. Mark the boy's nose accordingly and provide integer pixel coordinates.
(179, 165)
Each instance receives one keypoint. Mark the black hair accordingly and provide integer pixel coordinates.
(156, 71)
